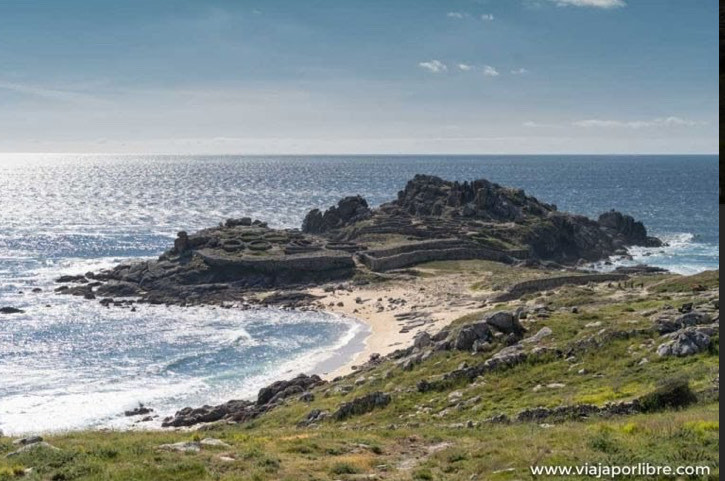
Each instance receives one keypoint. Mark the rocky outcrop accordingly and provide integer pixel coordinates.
(665, 324)
(348, 211)
(241, 410)
(361, 405)
(627, 229)
(505, 322)
(686, 342)
(431, 220)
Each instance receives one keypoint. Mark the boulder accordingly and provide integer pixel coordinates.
(687, 342)
(505, 322)
(539, 336)
(283, 389)
(314, 416)
(471, 333)
(422, 340)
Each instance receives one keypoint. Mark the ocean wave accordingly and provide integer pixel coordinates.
(681, 254)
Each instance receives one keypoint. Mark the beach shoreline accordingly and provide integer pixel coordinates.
(395, 311)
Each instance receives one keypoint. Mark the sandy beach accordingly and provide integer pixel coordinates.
(397, 310)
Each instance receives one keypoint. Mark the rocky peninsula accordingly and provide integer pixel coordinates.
(431, 220)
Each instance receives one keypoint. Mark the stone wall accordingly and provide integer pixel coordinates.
(406, 259)
(328, 261)
(537, 285)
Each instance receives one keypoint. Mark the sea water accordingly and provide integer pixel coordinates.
(69, 363)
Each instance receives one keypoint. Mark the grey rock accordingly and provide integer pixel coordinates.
(686, 342)
(505, 322)
(362, 405)
(471, 333)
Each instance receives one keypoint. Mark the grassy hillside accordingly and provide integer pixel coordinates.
(603, 351)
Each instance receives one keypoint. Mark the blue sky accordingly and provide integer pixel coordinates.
(395, 76)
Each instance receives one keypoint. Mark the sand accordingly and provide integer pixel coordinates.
(397, 310)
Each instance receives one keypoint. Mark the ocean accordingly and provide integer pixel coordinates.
(67, 363)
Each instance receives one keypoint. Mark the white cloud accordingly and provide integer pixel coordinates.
(489, 71)
(606, 4)
(435, 66)
(458, 15)
(637, 124)
(519, 71)
(487, 17)
(465, 67)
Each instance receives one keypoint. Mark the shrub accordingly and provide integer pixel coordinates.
(672, 393)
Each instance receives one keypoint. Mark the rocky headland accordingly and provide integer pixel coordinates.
(431, 220)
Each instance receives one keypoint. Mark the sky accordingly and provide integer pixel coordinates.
(347, 76)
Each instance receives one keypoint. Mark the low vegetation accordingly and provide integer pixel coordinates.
(451, 434)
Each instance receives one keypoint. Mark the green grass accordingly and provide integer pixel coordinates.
(419, 435)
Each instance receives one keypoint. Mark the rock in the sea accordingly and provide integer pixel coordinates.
(686, 342)
(361, 405)
(10, 310)
(118, 289)
(626, 228)
(241, 410)
(140, 410)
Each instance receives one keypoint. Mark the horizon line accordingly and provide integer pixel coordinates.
(397, 154)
